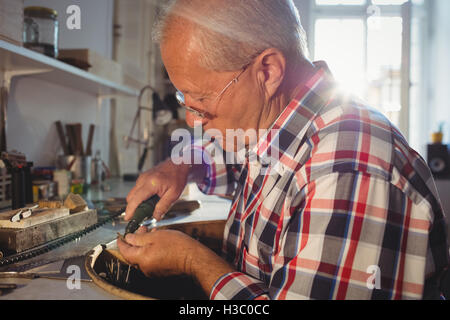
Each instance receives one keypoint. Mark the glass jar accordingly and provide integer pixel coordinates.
(41, 30)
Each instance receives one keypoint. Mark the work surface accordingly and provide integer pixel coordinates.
(71, 255)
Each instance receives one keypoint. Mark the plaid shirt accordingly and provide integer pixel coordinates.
(345, 202)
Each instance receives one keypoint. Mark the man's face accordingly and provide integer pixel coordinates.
(237, 108)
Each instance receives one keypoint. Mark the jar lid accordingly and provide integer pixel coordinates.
(40, 12)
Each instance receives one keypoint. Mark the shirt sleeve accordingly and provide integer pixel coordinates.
(351, 236)
(239, 286)
(220, 178)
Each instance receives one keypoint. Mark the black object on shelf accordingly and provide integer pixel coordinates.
(439, 160)
(21, 182)
(18, 187)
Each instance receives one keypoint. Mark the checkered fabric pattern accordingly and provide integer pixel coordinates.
(345, 196)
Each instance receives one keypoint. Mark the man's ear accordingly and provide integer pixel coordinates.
(270, 68)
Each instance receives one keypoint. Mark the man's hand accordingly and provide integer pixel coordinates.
(167, 180)
(159, 253)
(168, 252)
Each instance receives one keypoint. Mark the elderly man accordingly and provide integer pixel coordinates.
(333, 205)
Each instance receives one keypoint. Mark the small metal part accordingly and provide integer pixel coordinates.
(16, 217)
(21, 275)
(116, 274)
(128, 275)
(23, 213)
(29, 211)
(121, 237)
(110, 268)
(118, 270)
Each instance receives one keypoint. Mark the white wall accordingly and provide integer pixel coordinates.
(34, 106)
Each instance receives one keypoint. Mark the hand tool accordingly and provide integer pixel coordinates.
(90, 139)
(142, 160)
(4, 93)
(143, 211)
(62, 137)
(71, 139)
(78, 130)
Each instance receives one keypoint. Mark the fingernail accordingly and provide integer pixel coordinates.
(129, 237)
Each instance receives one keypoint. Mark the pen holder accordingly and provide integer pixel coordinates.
(79, 166)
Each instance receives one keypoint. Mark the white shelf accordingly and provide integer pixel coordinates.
(16, 59)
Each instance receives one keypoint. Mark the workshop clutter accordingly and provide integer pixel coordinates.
(42, 222)
(77, 163)
(16, 180)
(22, 184)
(5, 186)
(42, 211)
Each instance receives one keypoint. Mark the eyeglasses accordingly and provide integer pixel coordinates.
(181, 100)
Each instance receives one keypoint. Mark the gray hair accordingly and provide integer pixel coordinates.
(232, 33)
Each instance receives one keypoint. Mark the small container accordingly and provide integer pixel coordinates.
(81, 167)
(77, 187)
(63, 178)
(44, 190)
(40, 32)
(98, 169)
(437, 137)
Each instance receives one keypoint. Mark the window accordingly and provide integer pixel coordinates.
(361, 40)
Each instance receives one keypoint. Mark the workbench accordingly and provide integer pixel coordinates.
(212, 208)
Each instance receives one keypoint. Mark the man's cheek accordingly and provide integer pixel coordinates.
(190, 119)
(193, 121)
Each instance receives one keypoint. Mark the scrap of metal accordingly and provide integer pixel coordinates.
(116, 275)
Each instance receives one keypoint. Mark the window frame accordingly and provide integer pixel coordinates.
(346, 12)
(361, 12)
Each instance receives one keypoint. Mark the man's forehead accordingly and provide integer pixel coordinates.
(178, 46)
(181, 56)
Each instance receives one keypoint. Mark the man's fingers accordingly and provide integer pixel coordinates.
(131, 193)
(138, 239)
(129, 252)
(129, 211)
(164, 205)
(139, 196)
(161, 209)
(142, 230)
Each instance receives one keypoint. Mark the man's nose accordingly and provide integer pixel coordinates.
(193, 120)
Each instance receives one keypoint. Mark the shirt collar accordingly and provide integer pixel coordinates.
(283, 139)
